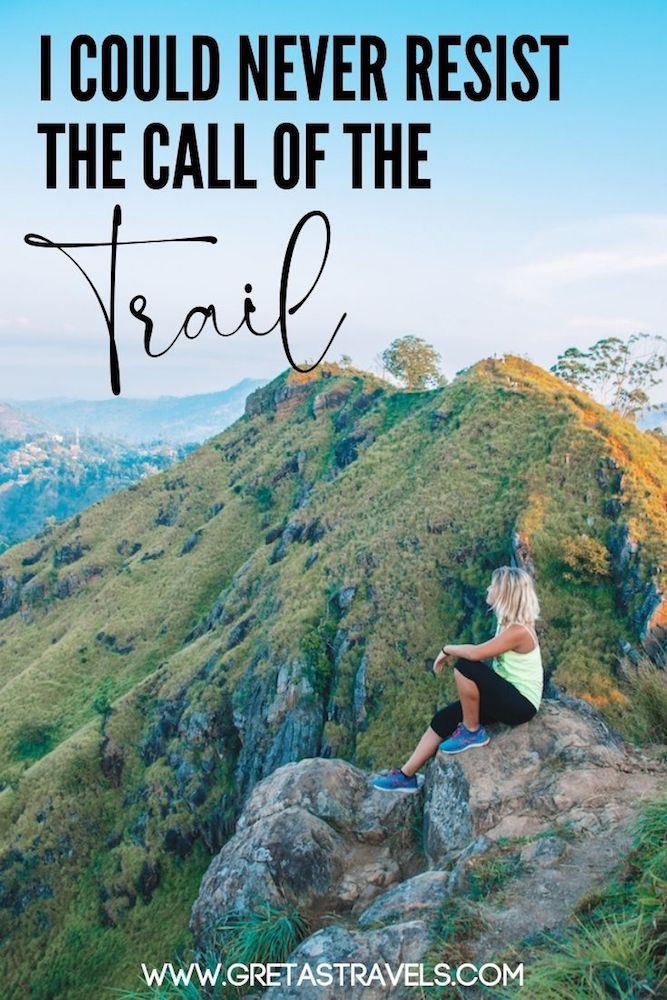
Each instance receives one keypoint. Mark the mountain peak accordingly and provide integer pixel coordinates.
(285, 392)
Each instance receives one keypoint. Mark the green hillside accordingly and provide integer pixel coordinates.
(282, 593)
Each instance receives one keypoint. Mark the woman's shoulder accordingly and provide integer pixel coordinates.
(513, 628)
(522, 634)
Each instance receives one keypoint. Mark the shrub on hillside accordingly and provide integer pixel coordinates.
(34, 740)
(586, 559)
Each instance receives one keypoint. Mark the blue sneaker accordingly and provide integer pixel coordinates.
(463, 739)
(396, 781)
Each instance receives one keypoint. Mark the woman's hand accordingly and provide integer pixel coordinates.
(440, 662)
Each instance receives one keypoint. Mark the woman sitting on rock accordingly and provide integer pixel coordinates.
(509, 691)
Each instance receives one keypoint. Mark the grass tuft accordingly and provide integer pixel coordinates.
(267, 935)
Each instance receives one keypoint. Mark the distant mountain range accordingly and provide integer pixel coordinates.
(177, 419)
(58, 456)
(46, 476)
(15, 425)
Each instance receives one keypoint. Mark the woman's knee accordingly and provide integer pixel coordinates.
(463, 682)
(471, 669)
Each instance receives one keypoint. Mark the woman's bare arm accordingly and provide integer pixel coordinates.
(508, 639)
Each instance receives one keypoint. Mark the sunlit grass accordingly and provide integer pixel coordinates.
(415, 524)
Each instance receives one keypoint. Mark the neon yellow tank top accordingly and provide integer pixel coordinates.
(523, 670)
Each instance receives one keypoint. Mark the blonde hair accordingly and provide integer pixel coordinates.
(515, 601)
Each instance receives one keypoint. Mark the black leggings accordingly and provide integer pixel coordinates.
(499, 700)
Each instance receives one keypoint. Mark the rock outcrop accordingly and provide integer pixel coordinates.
(562, 769)
(314, 834)
(549, 802)
(282, 397)
(387, 946)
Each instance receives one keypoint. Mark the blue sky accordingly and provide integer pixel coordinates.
(545, 226)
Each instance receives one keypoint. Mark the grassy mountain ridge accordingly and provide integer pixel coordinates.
(280, 593)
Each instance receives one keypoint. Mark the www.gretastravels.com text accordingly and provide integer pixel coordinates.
(335, 973)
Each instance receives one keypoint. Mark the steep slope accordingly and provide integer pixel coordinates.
(280, 594)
